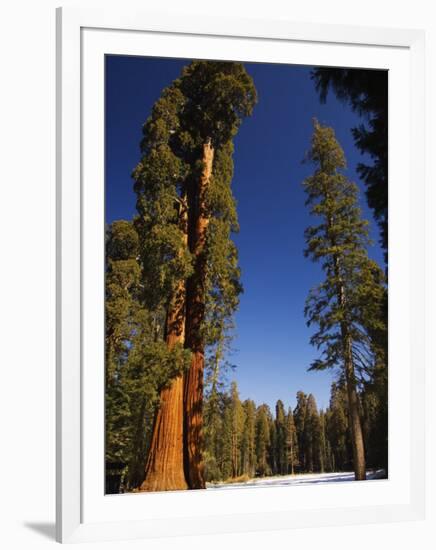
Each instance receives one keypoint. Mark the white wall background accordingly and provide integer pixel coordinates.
(27, 272)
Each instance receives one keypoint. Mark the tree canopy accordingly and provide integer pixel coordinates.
(366, 91)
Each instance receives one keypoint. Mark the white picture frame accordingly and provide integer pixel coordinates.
(83, 512)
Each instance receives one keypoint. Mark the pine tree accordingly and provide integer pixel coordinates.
(337, 428)
(237, 426)
(300, 425)
(227, 438)
(121, 311)
(218, 329)
(312, 436)
(272, 447)
(375, 418)
(367, 93)
(248, 444)
(291, 443)
(348, 302)
(281, 451)
(263, 441)
(375, 394)
(323, 449)
(213, 417)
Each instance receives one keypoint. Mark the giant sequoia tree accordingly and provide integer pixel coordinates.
(217, 97)
(186, 217)
(346, 305)
(160, 185)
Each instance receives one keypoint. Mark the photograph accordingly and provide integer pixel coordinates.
(246, 274)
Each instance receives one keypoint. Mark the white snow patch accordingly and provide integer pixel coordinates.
(298, 479)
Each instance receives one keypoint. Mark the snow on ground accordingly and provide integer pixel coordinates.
(299, 479)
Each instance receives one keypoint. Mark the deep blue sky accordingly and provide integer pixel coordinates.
(272, 350)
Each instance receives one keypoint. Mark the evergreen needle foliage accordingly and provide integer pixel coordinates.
(352, 293)
(367, 93)
(347, 306)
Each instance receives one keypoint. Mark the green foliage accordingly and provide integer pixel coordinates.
(138, 362)
(207, 103)
(312, 436)
(263, 440)
(337, 428)
(222, 283)
(375, 416)
(281, 439)
(244, 441)
(248, 442)
(159, 185)
(352, 293)
(291, 442)
(218, 95)
(300, 413)
(367, 93)
(121, 310)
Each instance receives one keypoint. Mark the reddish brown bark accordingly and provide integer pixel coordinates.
(164, 470)
(195, 308)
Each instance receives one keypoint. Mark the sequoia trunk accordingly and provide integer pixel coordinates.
(195, 309)
(164, 470)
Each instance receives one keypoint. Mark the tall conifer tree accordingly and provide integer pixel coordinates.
(281, 454)
(121, 311)
(218, 95)
(300, 426)
(291, 442)
(348, 302)
(186, 217)
(248, 445)
(160, 186)
(263, 440)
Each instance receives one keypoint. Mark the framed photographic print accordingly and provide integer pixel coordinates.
(240, 275)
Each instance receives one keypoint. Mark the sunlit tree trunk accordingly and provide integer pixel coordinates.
(164, 470)
(195, 309)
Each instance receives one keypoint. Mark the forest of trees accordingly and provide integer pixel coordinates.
(245, 440)
(173, 285)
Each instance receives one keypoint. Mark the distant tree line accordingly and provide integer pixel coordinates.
(244, 440)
